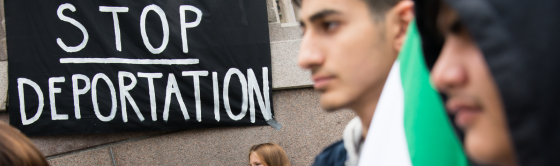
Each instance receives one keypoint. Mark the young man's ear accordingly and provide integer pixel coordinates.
(399, 17)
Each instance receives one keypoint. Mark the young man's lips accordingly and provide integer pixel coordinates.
(321, 82)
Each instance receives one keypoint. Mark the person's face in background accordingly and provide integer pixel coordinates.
(461, 72)
(255, 161)
(348, 52)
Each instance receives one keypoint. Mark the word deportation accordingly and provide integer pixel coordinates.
(249, 86)
(115, 10)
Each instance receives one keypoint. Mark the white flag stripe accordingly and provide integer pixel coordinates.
(386, 143)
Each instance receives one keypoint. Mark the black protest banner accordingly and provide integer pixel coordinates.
(119, 65)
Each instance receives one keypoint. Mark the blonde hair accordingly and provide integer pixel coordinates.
(17, 149)
(271, 154)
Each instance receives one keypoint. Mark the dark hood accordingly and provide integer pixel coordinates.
(520, 40)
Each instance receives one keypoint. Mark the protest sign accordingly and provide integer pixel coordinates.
(117, 65)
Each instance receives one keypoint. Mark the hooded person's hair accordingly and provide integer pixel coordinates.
(519, 40)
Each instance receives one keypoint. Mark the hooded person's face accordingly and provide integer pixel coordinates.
(462, 74)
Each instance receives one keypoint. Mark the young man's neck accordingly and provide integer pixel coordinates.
(365, 108)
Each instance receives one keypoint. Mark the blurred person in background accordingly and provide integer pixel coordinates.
(17, 149)
(498, 65)
(268, 154)
(350, 47)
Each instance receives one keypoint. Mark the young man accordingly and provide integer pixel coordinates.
(350, 47)
(497, 63)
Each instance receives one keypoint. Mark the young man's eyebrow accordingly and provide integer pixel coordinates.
(322, 14)
(319, 15)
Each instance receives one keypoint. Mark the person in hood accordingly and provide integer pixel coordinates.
(497, 65)
(350, 47)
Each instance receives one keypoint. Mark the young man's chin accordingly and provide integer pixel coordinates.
(331, 104)
(329, 108)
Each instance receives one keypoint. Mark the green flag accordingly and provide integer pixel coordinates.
(410, 126)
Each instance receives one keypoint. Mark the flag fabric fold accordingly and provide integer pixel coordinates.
(410, 126)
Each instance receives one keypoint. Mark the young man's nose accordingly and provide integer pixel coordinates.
(310, 55)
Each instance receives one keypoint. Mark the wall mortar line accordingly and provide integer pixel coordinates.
(285, 41)
(112, 156)
(108, 145)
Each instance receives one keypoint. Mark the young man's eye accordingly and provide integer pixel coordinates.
(330, 25)
(302, 27)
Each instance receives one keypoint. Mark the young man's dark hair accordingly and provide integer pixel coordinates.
(498, 64)
(377, 7)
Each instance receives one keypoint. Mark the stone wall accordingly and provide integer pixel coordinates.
(307, 129)
(3, 61)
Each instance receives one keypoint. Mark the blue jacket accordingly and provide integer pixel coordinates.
(334, 155)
